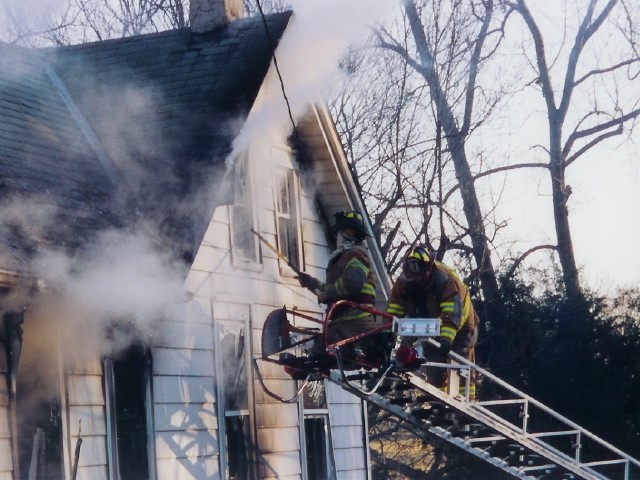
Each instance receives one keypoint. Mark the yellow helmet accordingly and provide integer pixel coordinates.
(417, 264)
(351, 221)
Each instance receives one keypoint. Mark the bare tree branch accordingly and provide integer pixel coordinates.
(524, 255)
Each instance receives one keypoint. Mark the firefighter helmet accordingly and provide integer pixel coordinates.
(351, 222)
(417, 264)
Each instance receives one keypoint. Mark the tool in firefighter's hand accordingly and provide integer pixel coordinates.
(277, 252)
(293, 267)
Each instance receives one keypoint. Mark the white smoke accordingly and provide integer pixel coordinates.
(100, 301)
(308, 57)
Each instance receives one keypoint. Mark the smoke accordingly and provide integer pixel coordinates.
(121, 283)
(308, 56)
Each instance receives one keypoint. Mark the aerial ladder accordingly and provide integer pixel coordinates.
(511, 430)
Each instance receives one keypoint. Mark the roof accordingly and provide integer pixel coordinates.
(113, 132)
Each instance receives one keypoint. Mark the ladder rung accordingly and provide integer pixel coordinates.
(493, 438)
(549, 466)
(515, 401)
(553, 434)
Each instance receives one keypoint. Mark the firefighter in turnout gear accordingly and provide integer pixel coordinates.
(349, 276)
(428, 288)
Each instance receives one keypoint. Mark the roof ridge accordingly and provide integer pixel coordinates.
(176, 31)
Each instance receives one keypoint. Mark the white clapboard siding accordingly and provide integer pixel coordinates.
(182, 361)
(86, 416)
(346, 417)
(195, 444)
(280, 466)
(246, 294)
(92, 473)
(6, 462)
(185, 418)
(279, 439)
(180, 468)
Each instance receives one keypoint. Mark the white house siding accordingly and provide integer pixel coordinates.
(6, 463)
(86, 416)
(346, 417)
(185, 420)
(219, 285)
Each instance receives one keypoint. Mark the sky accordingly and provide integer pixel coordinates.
(603, 204)
(603, 209)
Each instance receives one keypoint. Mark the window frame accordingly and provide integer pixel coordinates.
(220, 327)
(239, 256)
(113, 457)
(308, 414)
(294, 229)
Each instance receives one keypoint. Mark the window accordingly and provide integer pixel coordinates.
(127, 379)
(318, 454)
(287, 216)
(244, 245)
(233, 402)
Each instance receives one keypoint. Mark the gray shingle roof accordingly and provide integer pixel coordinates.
(165, 108)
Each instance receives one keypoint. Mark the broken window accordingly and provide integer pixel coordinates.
(233, 401)
(318, 454)
(287, 215)
(243, 243)
(127, 378)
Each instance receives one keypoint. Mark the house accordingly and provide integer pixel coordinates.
(132, 291)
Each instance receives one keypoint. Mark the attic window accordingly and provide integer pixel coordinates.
(286, 208)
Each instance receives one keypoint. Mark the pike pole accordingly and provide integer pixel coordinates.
(277, 252)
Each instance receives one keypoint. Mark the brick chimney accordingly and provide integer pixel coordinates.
(207, 15)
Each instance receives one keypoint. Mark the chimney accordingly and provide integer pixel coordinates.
(207, 15)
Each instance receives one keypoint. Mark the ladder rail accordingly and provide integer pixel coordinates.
(398, 411)
(526, 441)
(503, 427)
(528, 400)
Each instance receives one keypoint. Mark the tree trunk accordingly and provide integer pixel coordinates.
(560, 194)
(456, 143)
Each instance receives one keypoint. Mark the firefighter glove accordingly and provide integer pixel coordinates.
(323, 297)
(307, 281)
(445, 346)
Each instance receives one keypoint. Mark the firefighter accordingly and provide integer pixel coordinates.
(349, 276)
(428, 288)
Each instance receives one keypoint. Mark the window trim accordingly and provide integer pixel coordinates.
(293, 182)
(222, 413)
(316, 413)
(113, 460)
(253, 263)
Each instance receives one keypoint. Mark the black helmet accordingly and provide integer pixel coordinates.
(417, 264)
(351, 220)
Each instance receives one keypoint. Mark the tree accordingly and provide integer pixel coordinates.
(33, 23)
(594, 358)
(605, 82)
(379, 117)
(446, 55)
